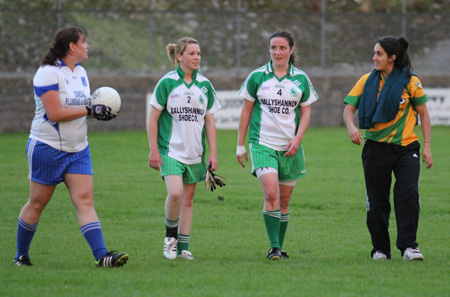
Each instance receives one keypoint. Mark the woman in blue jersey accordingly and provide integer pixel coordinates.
(58, 150)
(276, 111)
(181, 111)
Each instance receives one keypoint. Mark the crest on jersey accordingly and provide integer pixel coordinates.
(293, 92)
(83, 81)
(200, 98)
(402, 101)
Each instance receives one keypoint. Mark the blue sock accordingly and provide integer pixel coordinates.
(25, 233)
(94, 236)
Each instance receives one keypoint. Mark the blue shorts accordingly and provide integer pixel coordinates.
(48, 166)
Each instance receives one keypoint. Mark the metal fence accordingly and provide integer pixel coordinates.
(232, 41)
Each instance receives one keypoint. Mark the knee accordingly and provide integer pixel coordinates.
(85, 199)
(189, 200)
(175, 196)
(284, 203)
(272, 196)
(36, 205)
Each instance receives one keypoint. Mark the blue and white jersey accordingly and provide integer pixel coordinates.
(74, 92)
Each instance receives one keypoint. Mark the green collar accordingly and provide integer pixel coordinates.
(181, 73)
(269, 68)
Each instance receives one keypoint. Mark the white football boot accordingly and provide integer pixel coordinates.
(170, 248)
(185, 254)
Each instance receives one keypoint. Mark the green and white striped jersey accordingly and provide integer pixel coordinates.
(180, 127)
(276, 113)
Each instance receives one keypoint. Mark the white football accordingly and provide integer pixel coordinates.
(107, 96)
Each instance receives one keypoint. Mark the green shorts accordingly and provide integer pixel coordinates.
(289, 168)
(191, 174)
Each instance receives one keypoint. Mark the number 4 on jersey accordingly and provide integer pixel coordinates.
(279, 93)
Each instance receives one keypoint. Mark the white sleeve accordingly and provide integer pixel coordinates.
(45, 76)
(244, 91)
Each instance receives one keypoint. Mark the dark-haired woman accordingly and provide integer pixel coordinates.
(58, 150)
(389, 99)
(276, 111)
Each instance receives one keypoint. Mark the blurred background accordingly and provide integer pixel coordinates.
(131, 35)
(127, 38)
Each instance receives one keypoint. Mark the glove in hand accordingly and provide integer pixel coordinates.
(213, 180)
(100, 112)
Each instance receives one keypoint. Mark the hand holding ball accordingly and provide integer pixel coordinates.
(105, 103)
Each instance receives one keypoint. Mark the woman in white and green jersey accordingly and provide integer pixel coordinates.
(182, 112)
(276, 111)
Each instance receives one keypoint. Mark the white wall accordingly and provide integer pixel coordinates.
(438, 106)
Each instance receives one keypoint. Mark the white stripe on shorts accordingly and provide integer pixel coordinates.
(30, 156)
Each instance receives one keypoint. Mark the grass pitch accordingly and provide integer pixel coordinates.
(327, 238)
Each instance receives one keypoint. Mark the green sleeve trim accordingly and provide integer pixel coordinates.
(419, 100)
(306, 87)
(212, 96)
(352, 100)
(163, 89)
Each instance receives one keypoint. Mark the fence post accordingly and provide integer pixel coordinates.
(59, 15)
(404, 12)
(150, 36)
(238, 38)
(323, 24)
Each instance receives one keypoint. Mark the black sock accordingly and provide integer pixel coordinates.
(172, 232)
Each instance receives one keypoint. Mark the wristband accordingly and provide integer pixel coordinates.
(240, 150)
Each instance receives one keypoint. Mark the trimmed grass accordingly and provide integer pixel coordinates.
(327, 238)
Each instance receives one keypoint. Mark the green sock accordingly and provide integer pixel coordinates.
(183, 243)
(272, 221)
(284, 220)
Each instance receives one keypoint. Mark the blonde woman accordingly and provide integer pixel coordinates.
(181, 113)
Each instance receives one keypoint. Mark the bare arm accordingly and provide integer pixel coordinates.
(426, 131)
(294, 144)
(244, 120)
(353, 132)
(58, 113)
(211, 135)
(152, 132)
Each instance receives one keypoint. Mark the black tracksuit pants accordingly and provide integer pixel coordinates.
(380, 160)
